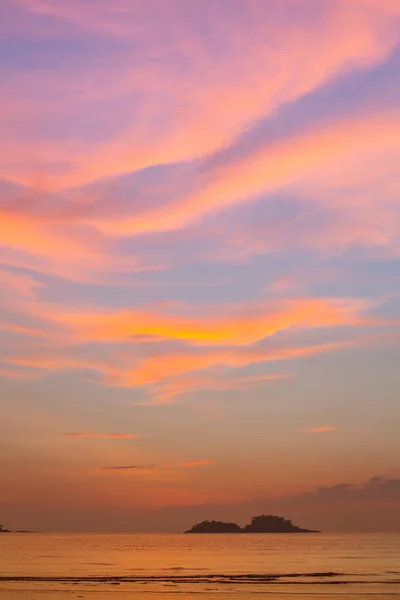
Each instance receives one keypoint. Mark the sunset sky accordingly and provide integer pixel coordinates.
(199, 263)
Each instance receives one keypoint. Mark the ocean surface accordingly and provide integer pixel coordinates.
(302, 566)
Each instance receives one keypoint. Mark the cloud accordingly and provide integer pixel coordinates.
(250, 382)
(50, 362)
(169, 472)
(367, 506)
(165, 392)
(328, 41)
(41, 231)
(163, 373)
(110, 436)
(301, 160)
(239, 326)
(160, 469)
(8, 373)
(44, 229)
(84, 228)
(376, 491)
(126, 468)
(165, 476)
(321, 429)
(166, 371)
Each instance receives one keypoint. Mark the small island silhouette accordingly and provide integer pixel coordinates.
(4, 530)
(259, 524)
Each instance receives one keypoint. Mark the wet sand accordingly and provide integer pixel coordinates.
(121, 567)
(48, 590)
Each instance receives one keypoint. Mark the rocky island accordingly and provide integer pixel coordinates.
(215, 527)
(259, 524)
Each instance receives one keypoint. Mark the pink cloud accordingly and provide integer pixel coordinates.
(347, 37)
(165, 375)
(300, 159)
(339, 38)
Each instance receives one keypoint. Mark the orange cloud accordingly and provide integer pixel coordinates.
(37, 238)
(108, 436)
(125, 468)
(323, 429)
(167, 469)
(163, 372)
(168, 375)
(236, 328)
(156, 368)
(47, 235)
(198, 463)
(165, 392)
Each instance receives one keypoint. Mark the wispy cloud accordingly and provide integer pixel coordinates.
(198, 463)
(304, 160)
(228, 325)
(165, 392)
(166, 467)
(353, 38)
(127, 468)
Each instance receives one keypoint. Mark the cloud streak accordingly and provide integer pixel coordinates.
(229, 326)
(126, 468)
(329, 41)
(198, 463)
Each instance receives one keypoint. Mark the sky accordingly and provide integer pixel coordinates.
(199, 263)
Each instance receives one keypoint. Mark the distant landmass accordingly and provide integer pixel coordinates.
(4, 530)
(215, 527)
(259, 524)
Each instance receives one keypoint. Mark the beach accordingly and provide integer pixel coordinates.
(56, 566)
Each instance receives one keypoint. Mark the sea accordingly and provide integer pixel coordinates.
(147, 566)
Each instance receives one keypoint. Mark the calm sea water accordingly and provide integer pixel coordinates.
(41, 566)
